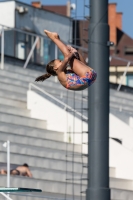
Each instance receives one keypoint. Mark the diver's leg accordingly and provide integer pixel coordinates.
(77, 66)
(55, 38)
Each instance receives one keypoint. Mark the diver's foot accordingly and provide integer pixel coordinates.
(51, 35)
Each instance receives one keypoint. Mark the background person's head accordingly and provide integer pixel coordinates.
(25, 165)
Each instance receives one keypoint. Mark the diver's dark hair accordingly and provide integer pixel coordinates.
(50, 70)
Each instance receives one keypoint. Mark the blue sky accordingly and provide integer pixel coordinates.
(125, 6)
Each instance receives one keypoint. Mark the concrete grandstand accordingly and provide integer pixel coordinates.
(37, 117)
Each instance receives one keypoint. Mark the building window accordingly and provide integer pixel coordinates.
(60, 55)
(130, 80)
(129, 50)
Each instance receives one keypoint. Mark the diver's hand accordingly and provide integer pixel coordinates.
(73, 50)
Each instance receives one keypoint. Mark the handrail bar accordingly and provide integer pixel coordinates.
(65, 105)
(39, 35)
(26, 32)
(43, 36)
(122, 59)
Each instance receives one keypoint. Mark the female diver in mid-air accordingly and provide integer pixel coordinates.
(78, 77)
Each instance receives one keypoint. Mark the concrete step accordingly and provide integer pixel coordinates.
(20, 70)
(16, 85)
(59, 187)
(51, 174)
(47, 196)
(112, 172)
(28, 78)
(126, 195)
(33, 73)
(13, 88)
(31, 131)
(38, 161)
(5, 100)
(121, 184)
(11, 74)
(8, 80)
(43, 195)
(45, 185)
(116, 194)
(57, 175)
(122, 115)
(54, 174)
(13, 78)
(118, 111)
(15, 92)
(121, 107)
(30, 73)
(121, 194)
(121, 101)
(24, 121)
(120, 94)
(13, 95)
(14, 110)
(59, 93)
(25, 84)
(42, 151)
(30, 140)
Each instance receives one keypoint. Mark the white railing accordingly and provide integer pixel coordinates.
(37, 36)
(122, 59)
(3, 27)
(129, 62)
(2, 48)
(57, 100)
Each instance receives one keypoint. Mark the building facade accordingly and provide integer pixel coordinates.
(122, 51)
(32, 21)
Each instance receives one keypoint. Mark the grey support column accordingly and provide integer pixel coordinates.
(98, 160)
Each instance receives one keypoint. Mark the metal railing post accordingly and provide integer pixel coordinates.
(29, 86)
(31, 51)
(2, 48)
(8, 163)
(124, 74)
(5, 195)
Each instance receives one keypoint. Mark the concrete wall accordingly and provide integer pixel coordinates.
(37, 20)
(7, 13)
(122, 159)
(120, 130)
(121, 155)
(57, 118)
(34, 20)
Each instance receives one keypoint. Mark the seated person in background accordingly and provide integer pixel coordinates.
(2, 171)
(22, 170)
(12, 172)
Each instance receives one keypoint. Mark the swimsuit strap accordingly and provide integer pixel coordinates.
(69, 71)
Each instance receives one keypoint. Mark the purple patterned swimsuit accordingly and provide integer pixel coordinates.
(74, 80)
